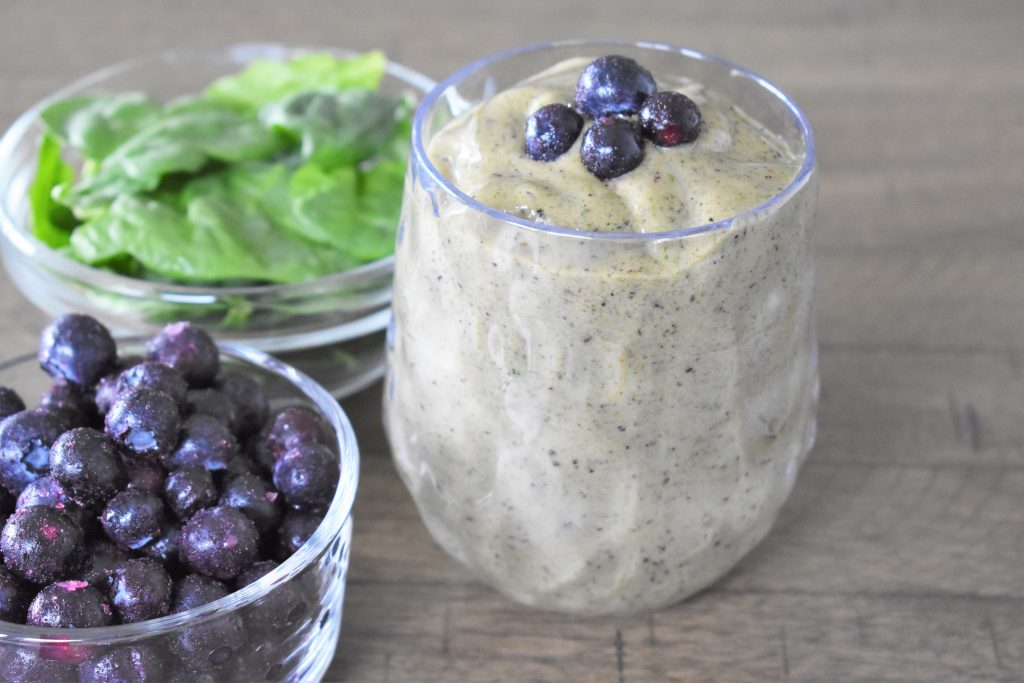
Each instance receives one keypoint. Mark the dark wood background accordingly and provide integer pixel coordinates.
(900, 556)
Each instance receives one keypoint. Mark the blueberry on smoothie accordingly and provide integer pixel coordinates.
(611, 147)
(153, 375)
(145, 421)
(77, 348)
(69, 604)
(670, 118)
(140, 589)
(42, 544)
(189, 350)
(307, 475)
(15, 596)
(25, 440)
(250, 402)
(189, 490)
(133, 518)
(219, 542)
(613, 85)
(10, 402)
(124, 664)
(255, 498)
(551, 130)
(87, 463)
(205, 442)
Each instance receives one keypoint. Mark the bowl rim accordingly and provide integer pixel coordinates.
(420, 158)
(241, 53)
(338, 514)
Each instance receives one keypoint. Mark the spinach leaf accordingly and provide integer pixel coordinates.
(263, 82)
(51, 221)
(96, 125)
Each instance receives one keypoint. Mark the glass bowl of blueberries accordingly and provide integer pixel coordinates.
(172, 509)
(313, 288)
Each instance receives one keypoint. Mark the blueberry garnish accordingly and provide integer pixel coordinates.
(611, 147)
(551, 130)
(670, 118)
(613, 85)
(189, 350)
(77, 348)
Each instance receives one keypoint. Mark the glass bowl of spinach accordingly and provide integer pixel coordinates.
(253, 189)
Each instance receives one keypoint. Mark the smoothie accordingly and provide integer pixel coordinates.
(596, 419)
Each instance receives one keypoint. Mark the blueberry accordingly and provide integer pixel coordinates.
(15, 596)
(611, 147)
(249, 400)
(145, 421)
(87, 463)
(145, 474)
(32, 666)
(69, 604)
(105, 394)
(613, 85)
(140, 589)
(153, 375)
(307, 475)
(133, 518)
(188, 349)
(48, 491)
(73, 403)
(25, 440)
(77, 348)
(189, 490)
(670, 118)
(101, 560)
(166, 550)
(255, 498)
(124, 664)
(289, 428)
(219, 542)
(285, 605)
(213, 403)
(195, 590)
(296, 528)
(205, 442)
(551, 130)
(42, 544)
(10, 402)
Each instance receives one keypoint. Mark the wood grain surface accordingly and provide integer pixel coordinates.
(900, 556)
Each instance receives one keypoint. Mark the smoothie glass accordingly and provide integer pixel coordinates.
(601, 423)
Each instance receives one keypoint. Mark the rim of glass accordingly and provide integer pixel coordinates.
(420, 157)
(241, 53)
(338, 513)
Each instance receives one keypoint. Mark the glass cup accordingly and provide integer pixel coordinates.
(601, 423)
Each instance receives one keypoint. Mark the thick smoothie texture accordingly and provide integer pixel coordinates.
(600, 425)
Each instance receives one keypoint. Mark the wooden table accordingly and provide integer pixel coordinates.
(900, 556)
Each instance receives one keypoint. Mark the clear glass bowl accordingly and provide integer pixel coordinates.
(330, 327)
(283, 627)
(601, 422)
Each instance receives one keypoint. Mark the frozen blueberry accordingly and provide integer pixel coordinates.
(69, 604)
(105, 395)
(153, 375)
(15, 596)
(670, 118)
(42, 544)
(10, 402)
(49, 492)
(219, 542)
(195, 590)
(77, 348)
(124, 664)
(133, 518)
(101, 560)
(205, 442)
(141, 589)
(249, 400)
(240, 464)
(167, 550)
(296, 528)
(25, 665)
(291, 427)
(145, 474)
(611, 147)
(87, 463)
(255, 498)
(25, 440)
(188, 349)
(551, 130)
(285, 605)
(145, 421)
(214, 403)
(613, 85)
(74, 404)
(189, 490)
(307, 475)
